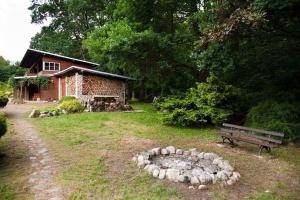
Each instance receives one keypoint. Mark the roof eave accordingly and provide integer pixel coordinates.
(55, 55)
(61, 73)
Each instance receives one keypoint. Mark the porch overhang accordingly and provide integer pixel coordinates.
(24, 77)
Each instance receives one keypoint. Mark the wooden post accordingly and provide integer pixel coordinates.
(76, 85)
(21, 91)
(66, 86)
(59, 88)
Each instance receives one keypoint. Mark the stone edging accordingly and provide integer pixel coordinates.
(226, 174)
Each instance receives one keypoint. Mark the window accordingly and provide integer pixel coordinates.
(51, 66)
(56, 67)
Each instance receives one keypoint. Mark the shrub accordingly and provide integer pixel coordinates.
(42, 81)
(207, 103)
(172, 102)
(183, 117)
(66, 98)
(3, 124)
(7, 192)
(72, 106)
(3, 101)
(276, 116)
(5, 89)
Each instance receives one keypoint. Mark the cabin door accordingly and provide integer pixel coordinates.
(33, 91)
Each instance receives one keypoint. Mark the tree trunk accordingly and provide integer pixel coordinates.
(142, 95)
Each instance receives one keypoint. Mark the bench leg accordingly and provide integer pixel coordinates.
(223, 139)
(260, 149)
(268, 149)
(231, 142)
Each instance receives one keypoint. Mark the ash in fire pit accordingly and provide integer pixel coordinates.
(187, 166)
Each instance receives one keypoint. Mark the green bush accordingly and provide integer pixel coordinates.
(276, 116)
(66, 98)
(5, 89)
(207, 103)
(72, 106)
(3, 124)
(42, 81)
(3, 101)
(183, 117)
(170, 103)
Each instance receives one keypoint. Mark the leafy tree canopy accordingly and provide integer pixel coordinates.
(169, 45)
(8, 70)
(69, 22)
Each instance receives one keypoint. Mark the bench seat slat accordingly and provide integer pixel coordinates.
(252, 135)
(246, 139)
(254, 130)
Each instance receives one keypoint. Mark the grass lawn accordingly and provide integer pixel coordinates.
(94, 152)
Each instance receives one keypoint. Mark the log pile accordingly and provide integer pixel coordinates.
(99, 106)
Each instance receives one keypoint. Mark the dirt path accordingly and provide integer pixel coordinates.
(43, 167)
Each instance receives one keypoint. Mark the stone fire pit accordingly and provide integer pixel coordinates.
(191, 166)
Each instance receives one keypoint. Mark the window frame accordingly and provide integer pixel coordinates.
(49, 63)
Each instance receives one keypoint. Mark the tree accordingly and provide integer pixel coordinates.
(7, 70)
(257, 49)
(57, 42)
(4, 69)
(151, 40)
(70, 21)
(170, 45)
(159, 49)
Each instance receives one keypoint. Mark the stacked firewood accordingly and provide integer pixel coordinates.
(98, 106)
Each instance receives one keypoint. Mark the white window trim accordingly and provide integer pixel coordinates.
(49, 66)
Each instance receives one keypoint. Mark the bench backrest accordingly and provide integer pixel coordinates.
(270, 136)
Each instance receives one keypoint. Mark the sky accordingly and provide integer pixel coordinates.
(16, 29)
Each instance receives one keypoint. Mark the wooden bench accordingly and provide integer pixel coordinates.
(265, 139)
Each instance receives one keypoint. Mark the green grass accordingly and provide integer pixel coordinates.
(279, 193)
(88, 139)
(7, 192)
(289, 154)
(145, 125)
(154, 191)
(88, 172)
(152, 119)
(94, 152)
(270, 196)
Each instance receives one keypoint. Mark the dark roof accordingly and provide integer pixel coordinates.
(75, 68)
(33, 55)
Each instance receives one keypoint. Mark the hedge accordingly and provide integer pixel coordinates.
(3, 124)
(66, 98)
(276, 116)
(72, 106)
(3, 101)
